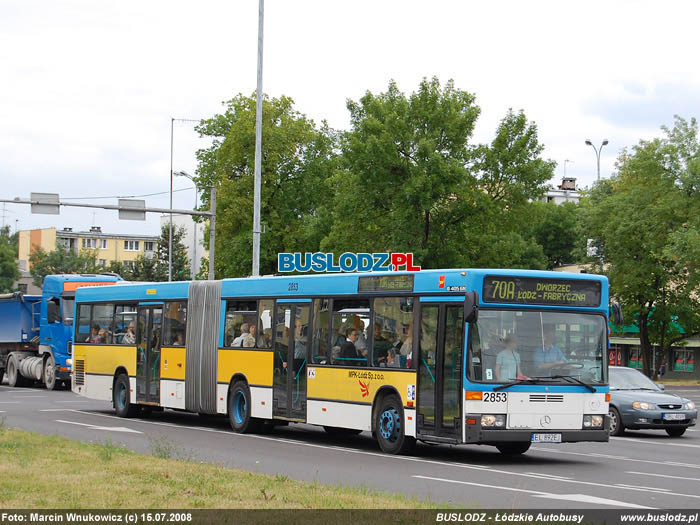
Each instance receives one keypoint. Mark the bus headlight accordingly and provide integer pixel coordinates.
(593, 421)
(493, 420)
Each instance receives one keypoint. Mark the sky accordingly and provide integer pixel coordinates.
(88, 89)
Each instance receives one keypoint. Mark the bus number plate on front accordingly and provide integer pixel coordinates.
(546, 438)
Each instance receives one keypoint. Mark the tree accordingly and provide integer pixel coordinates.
(642, 221)
(297, 157)
(146, 270)
(9, 272)
(60, 260)
(555, 227)
(411, 180)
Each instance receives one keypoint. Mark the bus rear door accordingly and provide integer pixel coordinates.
(148, 341)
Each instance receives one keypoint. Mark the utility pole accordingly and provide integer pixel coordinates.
(258, 147)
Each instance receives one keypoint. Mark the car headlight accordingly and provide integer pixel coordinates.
(593, 421)
(690, 405)
(643, 405)
(493, 420)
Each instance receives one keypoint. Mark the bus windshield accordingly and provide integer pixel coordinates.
(511, 345)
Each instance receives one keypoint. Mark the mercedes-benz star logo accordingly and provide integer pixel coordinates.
(545, 421)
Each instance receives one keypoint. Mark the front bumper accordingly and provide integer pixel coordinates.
(653, 419)
(476, 434)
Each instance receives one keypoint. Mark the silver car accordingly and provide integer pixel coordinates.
(637, 403)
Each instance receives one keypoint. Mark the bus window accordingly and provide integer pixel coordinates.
(319, 344)
(240, 316)
(264, 335)
(393, 317)
(124, 317)
(82, 329)
(174, 323)
(351, 314)
(102, 318)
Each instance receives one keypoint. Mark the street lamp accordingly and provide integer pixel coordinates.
(194, 233)
(597, 152)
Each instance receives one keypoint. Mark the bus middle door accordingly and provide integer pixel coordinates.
(441, 342)
(148, 342)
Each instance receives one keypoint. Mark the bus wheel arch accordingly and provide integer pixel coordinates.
(239, 406)
(388, 423)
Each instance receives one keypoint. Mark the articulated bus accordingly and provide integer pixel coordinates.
(497, 357)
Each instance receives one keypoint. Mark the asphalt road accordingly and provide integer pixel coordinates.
(639, 470)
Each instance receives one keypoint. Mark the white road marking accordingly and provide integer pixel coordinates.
(28, 397)
(10, 402)
(95, 427)
(585, 498)
(657, 443)
(56, 410)
(73, 401)
(619, 458)
(540, 494)
(395, 458)
(548, 475)
(640, 487)
(662, 476)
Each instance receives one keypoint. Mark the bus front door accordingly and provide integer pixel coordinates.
(441, 341)
(148, 341)
(292, 332)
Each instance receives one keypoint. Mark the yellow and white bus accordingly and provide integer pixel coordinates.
(496, 357)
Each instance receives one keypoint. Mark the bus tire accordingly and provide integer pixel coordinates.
(13, 376)
(122, 399)
(389, 425)
(50, 372)
(239, 406)
(513, 449)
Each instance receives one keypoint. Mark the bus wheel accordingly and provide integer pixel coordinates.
(50, 373)
(121, 398)
(513, 449)
(390, 428)
(239, 409)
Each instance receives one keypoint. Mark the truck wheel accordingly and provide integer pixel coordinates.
(2, 375)
(121, 398)
(13, 377)
(50, 373)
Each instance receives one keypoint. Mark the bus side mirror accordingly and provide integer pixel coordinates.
(471, 307)
(52, 314)
(617, 316)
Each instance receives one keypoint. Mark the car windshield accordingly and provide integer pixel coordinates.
(630, 379)
(553, 347)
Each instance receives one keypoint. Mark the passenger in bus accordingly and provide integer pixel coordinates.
(248, 341)
(406, 350)
(130, 335)
(95, 334)
(266, 340)
(238, 341)
(179, 338)
(508, 361)
(341, 335)
(348, 352)
(392, 360)
(104, 335)
(549, 355)
(381, 345)
(335, 356)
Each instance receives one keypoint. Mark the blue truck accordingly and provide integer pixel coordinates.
(36, 330)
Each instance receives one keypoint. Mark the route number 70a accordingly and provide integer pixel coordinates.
(495, 397)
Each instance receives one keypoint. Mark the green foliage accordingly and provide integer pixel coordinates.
(643, 221)
(296, 159)
(61, 260)
(9, 272)
(555, 227)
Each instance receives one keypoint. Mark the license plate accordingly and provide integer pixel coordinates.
(674, 417)
(546, 438)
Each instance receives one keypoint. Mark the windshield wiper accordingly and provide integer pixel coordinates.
(528, 381)
(572, 379)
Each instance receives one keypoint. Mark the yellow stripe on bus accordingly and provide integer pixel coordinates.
(172, 363)
(359, 385)
(256, 365)
(105, 359)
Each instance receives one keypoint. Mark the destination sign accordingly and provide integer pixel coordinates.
(544, 291)
(385, 283)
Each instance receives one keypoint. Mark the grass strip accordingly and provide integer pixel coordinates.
(49, 471)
